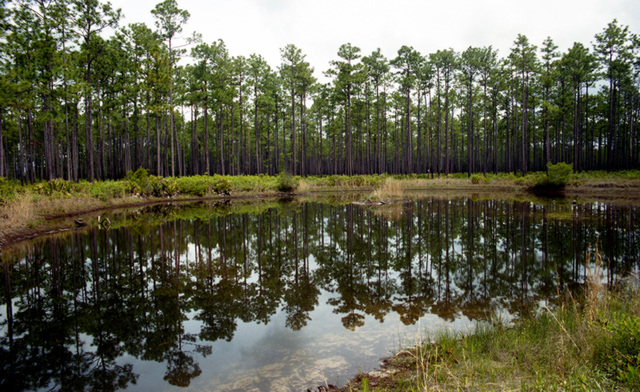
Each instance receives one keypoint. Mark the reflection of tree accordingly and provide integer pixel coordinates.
(301, 294)
(74, 306)
(181, 369)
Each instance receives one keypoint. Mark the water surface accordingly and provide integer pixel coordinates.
(283, 296)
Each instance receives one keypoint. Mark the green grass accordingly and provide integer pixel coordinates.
(141, 184)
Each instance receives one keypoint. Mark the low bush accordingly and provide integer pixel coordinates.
(55, 186)
(286, 182)
(143, 184)
(107, 190)
(559, 175)
(194, 185)
(7, 190)
(221, 185)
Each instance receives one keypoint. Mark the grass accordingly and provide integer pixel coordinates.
(390, 189)
(591, 344)
(25, 207)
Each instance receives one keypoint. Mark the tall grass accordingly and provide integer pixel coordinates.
(14, 214)
(390, 189)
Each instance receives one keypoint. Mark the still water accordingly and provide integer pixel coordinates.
(286, 295)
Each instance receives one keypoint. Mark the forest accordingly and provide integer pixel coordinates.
(83, 98)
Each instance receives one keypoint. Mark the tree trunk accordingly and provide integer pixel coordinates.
(74, 144)
(293, 133)
(88, 122)
(158, 156)
(2, 155)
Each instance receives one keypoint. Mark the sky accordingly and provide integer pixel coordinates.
(319, 27)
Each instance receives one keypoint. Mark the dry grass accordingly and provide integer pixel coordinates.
(390, 189)
(17, 214)
(305, 186)
(595, 293)
(29, 211)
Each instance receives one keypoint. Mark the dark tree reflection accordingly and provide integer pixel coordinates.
(75, 306)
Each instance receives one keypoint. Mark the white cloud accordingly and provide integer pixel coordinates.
(320, 27)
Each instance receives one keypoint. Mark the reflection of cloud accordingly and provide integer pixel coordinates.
(277, 344)
(282, 360)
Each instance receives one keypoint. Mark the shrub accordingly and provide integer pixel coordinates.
(108, 190)
(560, 173)
(194, 185)
(286, 182)
(558, 177)
(476, 178)
(221, 186)
(7, 190)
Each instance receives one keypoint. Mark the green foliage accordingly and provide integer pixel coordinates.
(476, 178)
(203, 185)
(620, 357)
(142, 184)
(559, 176)
(286, 182)
(367, 181)
(560, 173)
(107, 190)
(7, 190)
(56, 186)
(364, 385)
(221, 185)
(194, 185)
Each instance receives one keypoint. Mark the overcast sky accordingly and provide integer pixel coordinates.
(319, 27)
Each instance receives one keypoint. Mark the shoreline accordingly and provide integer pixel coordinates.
(58, 213)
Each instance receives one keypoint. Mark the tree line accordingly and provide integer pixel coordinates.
(84, 98)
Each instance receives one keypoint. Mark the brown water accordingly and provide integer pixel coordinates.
(285, 296)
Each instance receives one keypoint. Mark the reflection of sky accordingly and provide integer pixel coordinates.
(273, 357)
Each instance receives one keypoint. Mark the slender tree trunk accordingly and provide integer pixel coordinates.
(525, 144)
(221, 142)
(303, 144)
(74, 143)
(612, 124)
(469, 127)
(349, 144)
(258, 168)
(446, 126)
(68, 139)
(293, 133)
(88, 122)
(207, 152)
(378, 135)
(22, 153)
(2, 154)
(276, 155)
(158, 156)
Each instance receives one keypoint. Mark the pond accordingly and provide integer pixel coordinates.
(285, 295)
